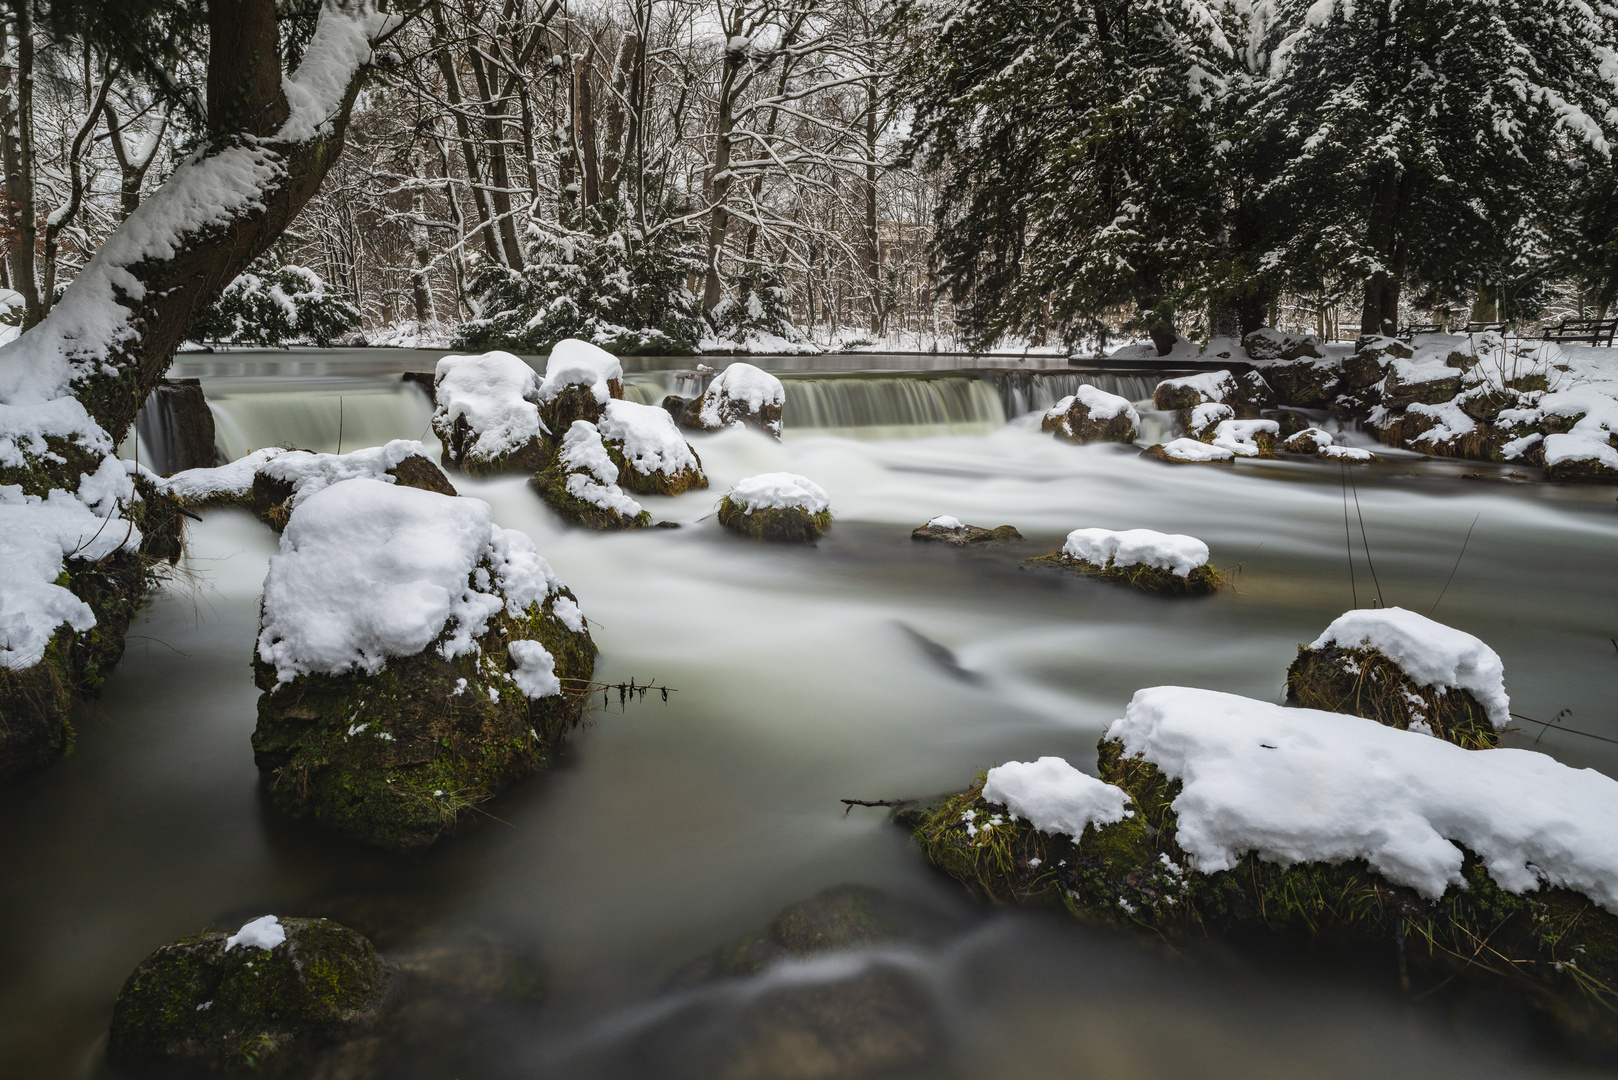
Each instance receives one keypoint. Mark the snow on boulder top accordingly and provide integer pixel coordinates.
(575, 362)
(36, 537)
(1240, 437)
(234, 479)
(648, 436)
(1105, 406)
(1174, 552)
(1054, 796)
(369, 570)
(1431, 653)
(779, 491)
(1192, 450)
(495, 392)
(23, 429)
(1298, 785)
(265, 932)
(944, 521)
(1212, 385)
(749, 386)
(591, 475)
(310, 473)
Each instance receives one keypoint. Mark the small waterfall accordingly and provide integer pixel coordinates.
(1023, 392)
(878, 407)
(317, 419)
(175, 429)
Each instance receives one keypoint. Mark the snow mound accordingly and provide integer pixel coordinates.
(369, 570)
(779, 491)
(1314, 440)
(23, 430)
(574, 362)
(1102, 405)
(591, 475)
(648, 437)
(944, 521)
(1431, 653)
(1192, 450)
(535, 673)
(1054, 796)
(1174, 552)
(1211, 386)
(309, 473)
(1298, 785)
(195, 486)
(37, 536)
(495, 392)
(745, 388)
(1240, 437)
(265, 932)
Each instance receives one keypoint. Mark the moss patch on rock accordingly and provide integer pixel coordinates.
(458, 440)
(399, 758)
(198, 1007)
(784, 525)
(1201, 581)
(1077, 425)
(1363, 682)
(550, 484)
(653, 481)
(1556, 948)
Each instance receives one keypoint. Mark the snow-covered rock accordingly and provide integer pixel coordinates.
(740, 396)
(949, 530)
(1320, 443)
(1301, 786)
(391, 659)
(1247, 438)
(1171, 564)
(1189, 452)
(487, 413)
(777, 506)
(656, 458)
(1092, 415)
(1247, 394)
(582, 483)
(580, 378)
(1054, 797)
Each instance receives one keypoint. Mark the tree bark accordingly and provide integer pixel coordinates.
(17, 147)
(494, 138)
(112, 376)
(463, 129)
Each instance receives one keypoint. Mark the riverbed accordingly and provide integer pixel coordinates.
(869, 667)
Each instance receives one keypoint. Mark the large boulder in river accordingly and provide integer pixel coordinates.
(487, 416)
(414, 657)
(782, 507)
(740, 396)
(581, 483)
(653, 457)
(580, 378)
(1091, 415)
(1406, 671)
(259, 1001)
(1247, 394)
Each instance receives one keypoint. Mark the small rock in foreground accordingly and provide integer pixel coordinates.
(261, 1000)
(948, 530)
(1189, 452)
(1169, 564)
(783, 507)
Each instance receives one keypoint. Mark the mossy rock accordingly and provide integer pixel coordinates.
(1555, 948)
(34, 706)
(1304, 384)
(550, 484)
(1397, 394)
(1078, 426)
(270, 498)
(969, 534)
(1589, 470)
(196, 1007)
(397, 759)
(1159, 452)
(653, 482)
(788, 525)
(1363, 682)
(458, 440)
(1201, 581)
(576, 401)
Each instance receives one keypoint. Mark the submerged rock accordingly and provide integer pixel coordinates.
(740, 396)
(782, 507)
(581, 484)
(1091, 415)
(1404, 670)
(262, 1000)
(1162, 563)
(948, 530)
(487, 413)
(184, 426)
(414, 660)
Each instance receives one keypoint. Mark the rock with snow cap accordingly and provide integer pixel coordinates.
(1247, 393)
(487, 413)
(414, 659)
(262, 1001)
(1189, 452)
(1169, 564)
(740, 396)
(654, 459)
(580, 378)
(782, 507)
(1320, 443)
(948, 530)
(581, 482)
(1091, 415)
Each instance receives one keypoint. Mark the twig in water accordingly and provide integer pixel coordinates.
(1457, 566)
(1367, 542)
(849, 804)
(1559, 727)
(1348, 537)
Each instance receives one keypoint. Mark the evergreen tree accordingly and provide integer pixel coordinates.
(272, 304)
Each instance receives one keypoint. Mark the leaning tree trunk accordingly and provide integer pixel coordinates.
(114, 333)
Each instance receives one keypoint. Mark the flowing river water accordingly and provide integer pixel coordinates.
(867, 667)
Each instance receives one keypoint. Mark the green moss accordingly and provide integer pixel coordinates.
(632, 479)
(1201, 581)
(397, 759)
(198, 1006)
(790, 525)
(1363, 682)
(1553, 946)
(458, 440)
(550, 484)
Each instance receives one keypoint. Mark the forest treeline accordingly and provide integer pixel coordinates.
(652, 174)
